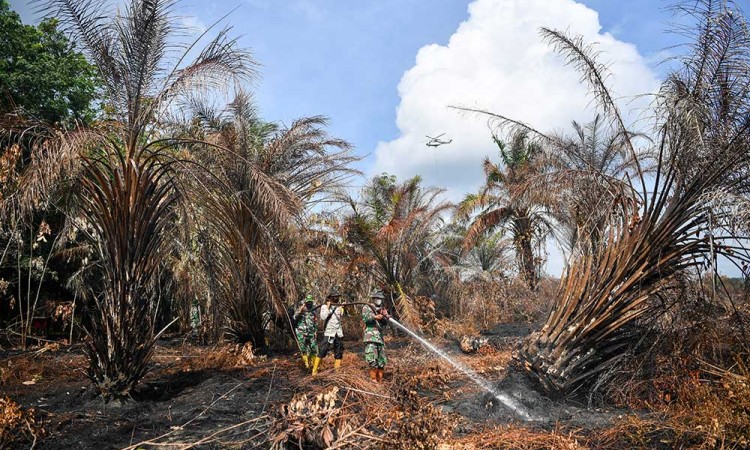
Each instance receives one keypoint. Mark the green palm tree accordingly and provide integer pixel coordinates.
(397, 225)
(488, 259)
(506, 202)
(489, 255)
(587, 172)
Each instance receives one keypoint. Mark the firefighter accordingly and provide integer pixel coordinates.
(376, 318)
(306, 328)
(333, 334)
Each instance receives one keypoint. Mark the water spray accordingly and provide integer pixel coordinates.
(475, 377)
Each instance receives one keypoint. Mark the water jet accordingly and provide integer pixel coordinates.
(472, 375)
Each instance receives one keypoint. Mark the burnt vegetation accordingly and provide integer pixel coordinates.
(156, 232)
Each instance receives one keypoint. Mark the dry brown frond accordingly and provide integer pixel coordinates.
(407, 312)
(670, 228)
(396, 224)
(513, 437)
(17, 426)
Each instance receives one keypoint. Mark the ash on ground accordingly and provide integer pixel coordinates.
(543, 411)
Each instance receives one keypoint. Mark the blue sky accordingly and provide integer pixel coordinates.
(344, 59)
(339, 58)
(384, 71)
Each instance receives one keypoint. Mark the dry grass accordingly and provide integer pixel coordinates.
(17, 426)
(705, 414)
(520, 438)
(344, 409)
(42, 368)
(484, 303)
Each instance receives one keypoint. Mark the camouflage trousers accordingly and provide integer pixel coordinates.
(375, 355)
(306, 341)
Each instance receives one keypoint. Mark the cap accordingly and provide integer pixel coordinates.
(377, 294)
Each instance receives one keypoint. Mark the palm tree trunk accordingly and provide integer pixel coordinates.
(249, 320)
(525, 254)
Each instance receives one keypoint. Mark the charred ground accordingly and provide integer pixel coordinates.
(222, 397)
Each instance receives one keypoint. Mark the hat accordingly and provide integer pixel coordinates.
(377, 294)
(308, 298)
(334, 293)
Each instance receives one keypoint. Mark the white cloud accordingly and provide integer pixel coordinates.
(497, 61)
(192, 25)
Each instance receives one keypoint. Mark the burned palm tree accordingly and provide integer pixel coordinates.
(505, 202)
(702, 143)
(673, 219)
(396, 224)
(120, 173)
(260, 183)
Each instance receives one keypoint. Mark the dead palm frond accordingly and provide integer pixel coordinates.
(396, 224)
(254, 196)
(130, 209)
(120, 176)
(702, 138)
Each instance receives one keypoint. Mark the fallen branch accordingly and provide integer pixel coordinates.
(221, 431)
(368, 393)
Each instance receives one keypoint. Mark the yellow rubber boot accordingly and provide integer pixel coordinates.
(306, 360)
(380, 374)
(373, 374)
(316, 364)
(336, 364)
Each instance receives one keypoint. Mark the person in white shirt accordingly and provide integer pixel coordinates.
(333, 334)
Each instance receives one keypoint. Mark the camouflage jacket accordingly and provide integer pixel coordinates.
(373, 328)
(306, 321)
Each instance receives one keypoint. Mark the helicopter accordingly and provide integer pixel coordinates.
(436, 141)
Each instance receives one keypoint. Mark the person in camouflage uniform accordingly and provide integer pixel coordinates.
(306, 329)
(375, 317)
